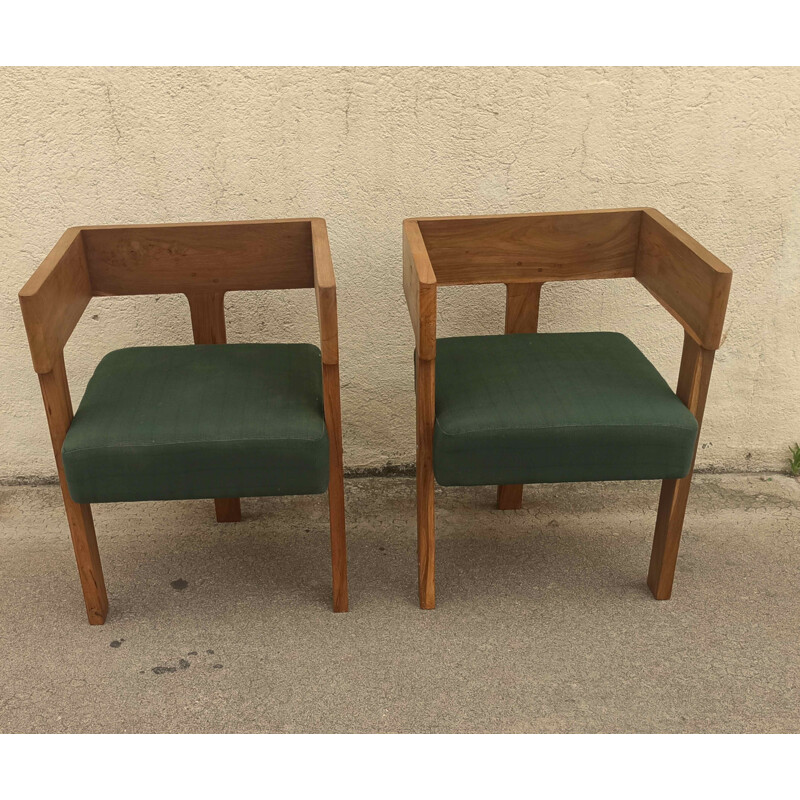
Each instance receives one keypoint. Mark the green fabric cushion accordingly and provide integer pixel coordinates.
(167, 423)
(553, 407)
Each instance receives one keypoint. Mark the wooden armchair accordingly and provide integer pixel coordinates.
(539, 408)
(188, 422)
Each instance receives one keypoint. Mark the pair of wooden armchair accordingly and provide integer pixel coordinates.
(202, 421)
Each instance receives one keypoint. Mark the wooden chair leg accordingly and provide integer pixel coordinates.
(338, 543)
(333, 419)
(426, 540)
(522, 316)
(426, 530)
(90, 570)
(58, 406)
(667, 539)
(208, 327)
(228, 509)
(693, 381)
(509, 497)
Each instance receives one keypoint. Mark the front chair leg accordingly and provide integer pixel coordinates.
(693, 381)
(338, 543)
(58, 407)
(667, 539)
(426, 529)
(333, 420)
(426, 539)
(90, 570)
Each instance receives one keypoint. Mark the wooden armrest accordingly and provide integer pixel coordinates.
(688, 280)
(54, 299)
(419, 285)
(325, 290)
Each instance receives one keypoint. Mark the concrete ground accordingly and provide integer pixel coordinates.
(544, 622)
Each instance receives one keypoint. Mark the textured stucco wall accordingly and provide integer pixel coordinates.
(718, 150)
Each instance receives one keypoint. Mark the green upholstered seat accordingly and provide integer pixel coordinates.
(547, 408)
(166, 423)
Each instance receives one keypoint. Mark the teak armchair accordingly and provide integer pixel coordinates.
(219, 421)
(540, 408)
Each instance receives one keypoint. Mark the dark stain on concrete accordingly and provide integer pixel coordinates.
(183, 664)
(192, 653)
(117, 643)
(179, 585)
(210, 652)
(217, 666)
(164, 670)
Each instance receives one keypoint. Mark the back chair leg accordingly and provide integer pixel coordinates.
(693, 381)
(228, 509)
(333, 420)
(522, 316)
(208, 327)
(58, 406)
(426, 530)
(509, 498)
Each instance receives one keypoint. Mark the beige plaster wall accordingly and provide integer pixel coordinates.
(718, 150)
